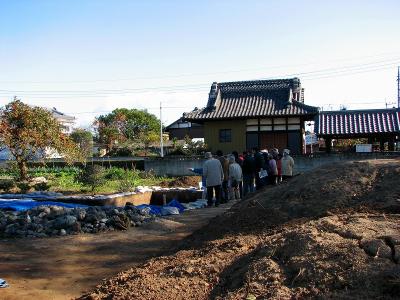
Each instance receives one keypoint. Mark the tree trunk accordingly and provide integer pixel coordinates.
(23, 170)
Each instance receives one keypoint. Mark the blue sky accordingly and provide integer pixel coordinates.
(89, 57)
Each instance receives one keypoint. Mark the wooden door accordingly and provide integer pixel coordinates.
(273, 140)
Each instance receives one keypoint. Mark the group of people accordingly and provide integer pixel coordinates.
(233, 176)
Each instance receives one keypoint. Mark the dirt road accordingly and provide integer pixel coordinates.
(65, 267)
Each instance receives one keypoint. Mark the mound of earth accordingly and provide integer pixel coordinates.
(329, 233)
(182, 181)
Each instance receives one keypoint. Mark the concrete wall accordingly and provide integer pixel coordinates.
(304, 163)
(179, 166)
(173, 166)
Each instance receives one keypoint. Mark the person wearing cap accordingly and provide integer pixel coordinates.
(272, 170)
(214, 175)
(287, 164)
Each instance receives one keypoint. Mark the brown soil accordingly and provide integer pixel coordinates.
(182, 181)
(65, 267)
(330, 233)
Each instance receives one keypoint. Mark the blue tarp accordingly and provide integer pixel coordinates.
(19, 205)
(175, 203)
(156, 209)
(26, 204)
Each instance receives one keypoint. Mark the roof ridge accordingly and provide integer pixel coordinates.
(369, 110)
(258, 81)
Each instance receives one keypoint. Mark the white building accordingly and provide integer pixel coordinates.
(67, 122)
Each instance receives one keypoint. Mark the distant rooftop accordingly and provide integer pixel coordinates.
(61, 116)
(357, 122)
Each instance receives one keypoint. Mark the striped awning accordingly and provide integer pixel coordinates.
(357, 122)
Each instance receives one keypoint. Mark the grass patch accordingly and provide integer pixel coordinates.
(66, 180)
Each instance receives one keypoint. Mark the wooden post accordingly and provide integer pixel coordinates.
(328, 145)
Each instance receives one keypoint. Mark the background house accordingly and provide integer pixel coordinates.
(180, 129)
(67, 122)
(261, 113)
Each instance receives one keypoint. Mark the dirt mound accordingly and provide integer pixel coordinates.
(183, 181)
(327, 190)
(330, 233)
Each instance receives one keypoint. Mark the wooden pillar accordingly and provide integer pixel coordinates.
(328, 145)
(391, 144)
(382, 144)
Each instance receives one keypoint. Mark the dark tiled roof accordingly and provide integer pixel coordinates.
(252, 106)
(352, 122)
(252, 99)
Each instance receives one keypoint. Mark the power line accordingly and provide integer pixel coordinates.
(316, 74)
(109, 111)
(312, 75)
(199, 74)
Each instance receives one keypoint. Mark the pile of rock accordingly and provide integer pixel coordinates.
(43, 221)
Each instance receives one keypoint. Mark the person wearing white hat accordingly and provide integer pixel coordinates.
(287, 164)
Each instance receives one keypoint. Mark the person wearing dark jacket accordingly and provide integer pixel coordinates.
(225, 167)
(259, 163)
(248, 169)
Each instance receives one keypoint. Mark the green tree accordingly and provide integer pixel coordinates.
(29, 131)
(84, 139)
(124, 124)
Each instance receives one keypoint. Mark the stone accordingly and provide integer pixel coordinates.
(76, 227)
(136, 217)
(396, 256)
(376, 248)
(44, 209)
(37, 180)
(121, 222)
(63, 232)
(64, 221)
(40, 235)
(94, 215)
(56, 211)
(80, 214)
(42, 214)
(11, 229)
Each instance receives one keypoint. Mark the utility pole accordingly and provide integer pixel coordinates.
(398, 87)
(161, 133)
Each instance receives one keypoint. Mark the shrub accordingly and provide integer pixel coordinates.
(7, 184)
(115, 173)
(126, 185)
(92, 175)
(41, 186)
(23, 186)
(121, 152)
(147, 174)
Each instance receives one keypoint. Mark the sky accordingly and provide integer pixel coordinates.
(88, 57)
